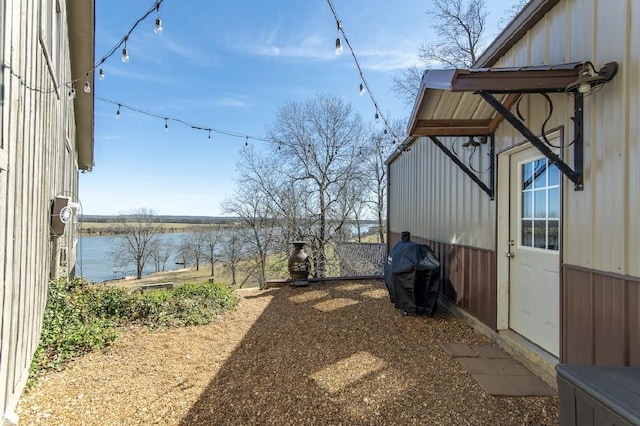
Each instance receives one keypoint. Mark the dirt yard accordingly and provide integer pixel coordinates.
(332, 353)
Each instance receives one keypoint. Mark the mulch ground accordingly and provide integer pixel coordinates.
(332, 353)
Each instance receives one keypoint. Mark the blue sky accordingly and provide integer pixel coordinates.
(230, 66)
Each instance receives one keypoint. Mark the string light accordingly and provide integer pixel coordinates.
(125, 52)
(246, 141)
(72, 92)
(209, 135)
(166, 124)
(364, 86)
(87, 87)
(208, 129)
(377, 117)
(111, 52)
(339, 48)
(158, 27)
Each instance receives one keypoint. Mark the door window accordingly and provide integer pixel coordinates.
(540, 207)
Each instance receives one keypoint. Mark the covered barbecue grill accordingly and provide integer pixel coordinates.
(411, 274)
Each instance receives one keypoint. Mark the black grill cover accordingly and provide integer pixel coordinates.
(411, 274)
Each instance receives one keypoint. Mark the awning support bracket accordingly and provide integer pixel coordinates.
(575, 174)
(488, 189)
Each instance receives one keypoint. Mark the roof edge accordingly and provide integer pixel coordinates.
(530, 15)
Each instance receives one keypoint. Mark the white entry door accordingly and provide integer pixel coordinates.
(534, 240)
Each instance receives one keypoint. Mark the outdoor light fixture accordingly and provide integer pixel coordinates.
(125, 55)
(72, 92)
(339, 48)
(361, 89)
(377, 117)
(101, 74)
(158, 28)
(118, 112)
(87, 87)
(474, 142)
(590, 80)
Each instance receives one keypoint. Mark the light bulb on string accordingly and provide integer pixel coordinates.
(246, 141)
(101, 74)
(118, 112)
(339, 48)
(72, 92)
(125, 52)
(158, 27)
(377, 117)
(209, 134)
(87, 87)
(361, 89)
(166, 124)
(385, 131)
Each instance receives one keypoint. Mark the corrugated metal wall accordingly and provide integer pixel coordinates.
(37, 132)
(599, 31)
(433, 199)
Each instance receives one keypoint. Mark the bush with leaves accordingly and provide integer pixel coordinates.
(81, 317)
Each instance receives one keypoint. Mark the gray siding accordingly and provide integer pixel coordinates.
(37, 162)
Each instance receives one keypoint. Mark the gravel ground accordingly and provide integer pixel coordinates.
(332, 353)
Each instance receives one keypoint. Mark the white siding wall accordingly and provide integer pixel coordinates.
(432, 198)
(602, 223)
(35, 126)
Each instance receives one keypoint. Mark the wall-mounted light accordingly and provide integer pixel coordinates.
(474, 141)
(589, 80)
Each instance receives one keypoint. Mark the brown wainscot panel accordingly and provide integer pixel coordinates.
(467, 276)
(600, 318)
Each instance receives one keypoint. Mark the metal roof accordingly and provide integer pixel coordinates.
(448, 105)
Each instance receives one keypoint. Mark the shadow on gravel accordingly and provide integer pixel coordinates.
(338, 352)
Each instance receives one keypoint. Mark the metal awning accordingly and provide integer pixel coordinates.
(473, 102)
(447, 103)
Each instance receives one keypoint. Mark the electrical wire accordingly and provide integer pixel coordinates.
(207, 129)
(355, 59)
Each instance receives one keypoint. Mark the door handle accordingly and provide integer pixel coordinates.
(511, 255)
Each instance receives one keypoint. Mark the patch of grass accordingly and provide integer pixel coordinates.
(81, 317)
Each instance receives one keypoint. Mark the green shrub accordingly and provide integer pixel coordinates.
(81, 317)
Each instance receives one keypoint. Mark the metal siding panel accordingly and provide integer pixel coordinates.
(610, 320)
(633, 322)
(632, 72)
(578, 321)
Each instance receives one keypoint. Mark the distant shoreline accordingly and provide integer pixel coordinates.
(108, 229)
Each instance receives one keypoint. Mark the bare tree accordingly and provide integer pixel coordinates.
(233, 251)
(255, 211)
(317, 143)
(161, 253)
(136, 235)
(211, 242)
(511, 12)
(195, 243)
(460, 29)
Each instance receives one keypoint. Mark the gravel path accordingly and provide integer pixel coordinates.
(333, 353)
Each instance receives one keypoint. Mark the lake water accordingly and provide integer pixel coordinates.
(96, 265)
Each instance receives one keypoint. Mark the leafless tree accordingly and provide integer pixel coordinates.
(317, 143)
(255, 210)
(511, 12)
(161, 253)
(460, 28)
(195, 243)
(211, 242)
(233, 247)
(136, 235)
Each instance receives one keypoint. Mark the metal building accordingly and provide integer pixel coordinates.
(523, 174)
